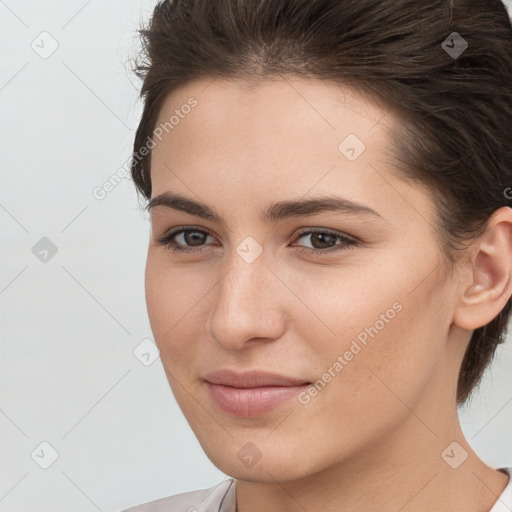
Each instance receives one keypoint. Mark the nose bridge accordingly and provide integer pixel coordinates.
(246, 303)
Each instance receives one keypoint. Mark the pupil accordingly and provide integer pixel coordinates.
(321, 236)
(193, 237)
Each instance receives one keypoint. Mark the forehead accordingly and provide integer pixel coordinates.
(293, 120)
(274, 104)
(280, 139)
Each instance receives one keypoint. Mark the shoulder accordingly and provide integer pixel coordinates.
(504, 503)
(203, 500)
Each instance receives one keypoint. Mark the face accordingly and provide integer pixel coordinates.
(295, 251)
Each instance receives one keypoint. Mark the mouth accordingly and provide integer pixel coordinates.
(253, 393)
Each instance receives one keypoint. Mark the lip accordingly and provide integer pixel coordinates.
(253, 393)
(251, 379)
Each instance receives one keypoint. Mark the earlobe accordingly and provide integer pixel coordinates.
(489, 285)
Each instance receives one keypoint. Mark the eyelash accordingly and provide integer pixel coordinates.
(348, 243)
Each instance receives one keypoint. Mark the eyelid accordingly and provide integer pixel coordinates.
(172, 233)
(327, 231)
(347, 240)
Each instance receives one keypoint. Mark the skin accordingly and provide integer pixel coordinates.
(372, 438)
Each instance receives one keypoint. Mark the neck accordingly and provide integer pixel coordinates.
(406, 472)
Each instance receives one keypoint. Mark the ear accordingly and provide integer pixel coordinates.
(487, 285)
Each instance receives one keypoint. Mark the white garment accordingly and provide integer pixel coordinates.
(221, 498)
(504, 503)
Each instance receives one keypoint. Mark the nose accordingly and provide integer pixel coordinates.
(249, 305)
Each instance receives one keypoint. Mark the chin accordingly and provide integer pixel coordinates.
(266, 465)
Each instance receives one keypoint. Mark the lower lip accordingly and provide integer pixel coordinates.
(251, 402)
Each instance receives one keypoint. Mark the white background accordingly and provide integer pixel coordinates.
(68, 375)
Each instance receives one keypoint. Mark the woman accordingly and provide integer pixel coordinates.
(329, 271)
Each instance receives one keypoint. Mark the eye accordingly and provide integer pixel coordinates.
(193, 239)
(192, 236)
(324, 242)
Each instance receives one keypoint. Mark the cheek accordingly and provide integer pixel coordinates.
(170, 303)
(375, 315)
(160, 300)
(176, 299)
(380, 333)
(167, 298)
(365, 390)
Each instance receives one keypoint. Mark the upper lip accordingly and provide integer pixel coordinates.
(251, 379)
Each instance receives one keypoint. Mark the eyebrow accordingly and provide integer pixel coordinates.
(274, 213)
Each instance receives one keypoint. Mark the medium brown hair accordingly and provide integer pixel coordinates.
(455, 111)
